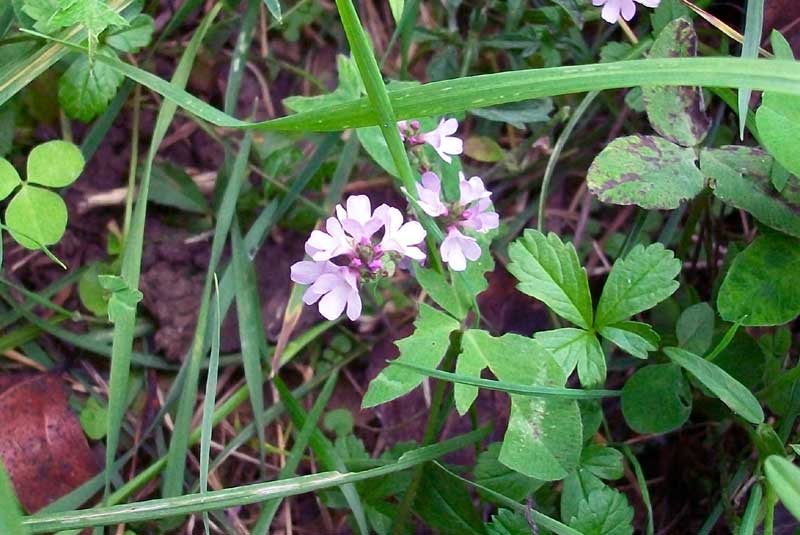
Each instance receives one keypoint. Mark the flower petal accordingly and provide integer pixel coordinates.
(359, 208)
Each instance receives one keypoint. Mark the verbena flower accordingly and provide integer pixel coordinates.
(471, 211)
(612, 9)
(441, 138)
(350, 250)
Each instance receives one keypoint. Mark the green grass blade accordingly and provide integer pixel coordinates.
(274, 7)
(10, 511)
(239, 59)
(461, 94)
(176, 463)
(328, 457)
(642, 481)
(754, 26)
(509, 388)
(124, 328)
(248, 494)
(296, 455)
(207, 425)
(251, 332)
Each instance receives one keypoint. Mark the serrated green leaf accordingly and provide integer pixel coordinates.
(602, 461)
(543, 437)
(55, 164)
(637, 282)
(695, 328)
(648, 171)
(95, 15)
(9, 178)
(506, 522)
(36, 217)
(442, 291)
(656, 399)
(605, 512)
(677, 113)
(576, 347)
(86, 88)
(740, 176)
(730, 391)
(576, 488)
(633, 337)
(134, 36)
(42, 12)
(760, 287)
(784, 477)
(494, 475)
(426, 347)
(550, 271)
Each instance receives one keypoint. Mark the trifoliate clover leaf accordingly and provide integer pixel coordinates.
(9, 178)
(55, 163)
(36, 217)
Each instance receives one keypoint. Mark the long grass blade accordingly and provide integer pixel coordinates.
(296, 455)
(754, 26)
(207, 425)
(248, 494)
(124, 328)
(176, 464)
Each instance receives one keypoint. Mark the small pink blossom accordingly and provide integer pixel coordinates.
(480, 218)
(335, 287)
(443, 141)
(400, 237)
(471, 190)
(613, 9)
(358, 220)
(457, 248)
(322, 246)
(429, 191)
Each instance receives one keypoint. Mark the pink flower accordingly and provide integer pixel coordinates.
(612, 9)
(457, 248)
(443, 141)
(472, 189)
(335, 287)
(398, 236)
(322, 246)
(479, 218)
(429, 191)
(358, 219)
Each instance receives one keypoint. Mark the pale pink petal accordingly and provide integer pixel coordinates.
(452, 255)
(359, 208)
(610, 12)
(628, 9)
(306, 272)
(598, 2)
(443, 155)
(353, 306)
(471, 190)
(431, 181)
(429, 192)
(332, 304)
(448, 127)
(411, 233)
(649, 3)
(451, 145)
(310, 296)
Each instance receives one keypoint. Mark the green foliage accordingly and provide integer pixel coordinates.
(506, 522)
(637, 282)
(517, 114)
(576, 347)
(445, 504)
(760, 288)
(677, 113)
(426, 347)
(10, 511)
(648, 171)
(52, 15)
(656, 399)
(784, 478)
(93, 419)
(494, 475)
(604, 511)
(695, 328)
(742, 177)
(550, 271)
(633, 337)
(36, 217)
(730, 391)
(602, 461)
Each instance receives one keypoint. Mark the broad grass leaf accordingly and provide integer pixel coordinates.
(760, 288)
(741, 177)
(9, 178)
(637, 282)
(55, 163)
(633, 337)
(549, 270)
(648, 171)
(86, 88)
(784, 477)
(576, 347)
(426, 347)
(36, 217)
(656, 399)
(730, 391)
(677, 113)
(695, 328)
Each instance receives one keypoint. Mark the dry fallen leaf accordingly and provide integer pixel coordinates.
(42, 443)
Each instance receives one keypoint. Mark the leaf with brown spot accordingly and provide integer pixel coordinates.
(42, 443)
(677, 113)
(647, 171)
